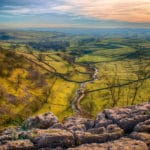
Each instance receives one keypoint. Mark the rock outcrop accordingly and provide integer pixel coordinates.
(127, 118)
(121, 144)
(42, 121)
(18, 145)
(126, 128)
(51, 138)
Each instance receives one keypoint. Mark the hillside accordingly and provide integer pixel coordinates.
(26, 87)
(118, 128)
(22, 89)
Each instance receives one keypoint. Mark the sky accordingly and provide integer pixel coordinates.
(75, 13)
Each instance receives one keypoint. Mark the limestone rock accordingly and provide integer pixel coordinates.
(114, 132)
(9, 134)
(99, 135)
(18, 145)
(45, 132)
(58, 126)
(102, 121)
(41, 121)
(143, 126)
(51, 138)
(127, 118)
(145, 137)
(5, 138)
(121, 144)
(100, 130)
(86, 137)
(78, 124)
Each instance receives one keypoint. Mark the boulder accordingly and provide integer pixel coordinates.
(143, 126)
(121, 144)
(86, 137)
(128, 117)
(100, 130)
(11, 133)
(78, 124)
(110, 129)
(17, 145)
(5, 138)
(51, 138)
(145, 137)
(41, 121)
(11, 130)
(89, 124)
(102, 121)
(99, 135)
(58, 126)
(114, 132)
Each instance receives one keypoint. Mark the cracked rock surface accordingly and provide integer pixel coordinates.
(125, 128)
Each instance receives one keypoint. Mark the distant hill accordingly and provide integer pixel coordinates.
(101, 32)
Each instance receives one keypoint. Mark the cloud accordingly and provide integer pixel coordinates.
(28, 7)
(120, 10)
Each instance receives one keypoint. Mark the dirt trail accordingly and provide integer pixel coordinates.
(81, 92)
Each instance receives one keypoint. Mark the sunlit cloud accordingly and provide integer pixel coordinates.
(122, 10)
(100, 13)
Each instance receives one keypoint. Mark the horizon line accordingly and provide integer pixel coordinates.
(22, 28)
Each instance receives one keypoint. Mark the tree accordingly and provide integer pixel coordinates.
(46, 93)
(115, 92)
(141, 73)
(89, 106)
(18, 81)
(40, 57)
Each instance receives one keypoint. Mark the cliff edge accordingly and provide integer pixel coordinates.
(125, 128)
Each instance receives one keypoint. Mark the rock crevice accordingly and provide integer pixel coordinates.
(122, 128)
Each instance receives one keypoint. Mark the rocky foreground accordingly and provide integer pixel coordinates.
(126, 128)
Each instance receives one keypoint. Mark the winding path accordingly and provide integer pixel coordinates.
(81, 92)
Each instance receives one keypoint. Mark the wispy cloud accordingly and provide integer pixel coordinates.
(122, 10)
(76, 12)
(32, 7)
